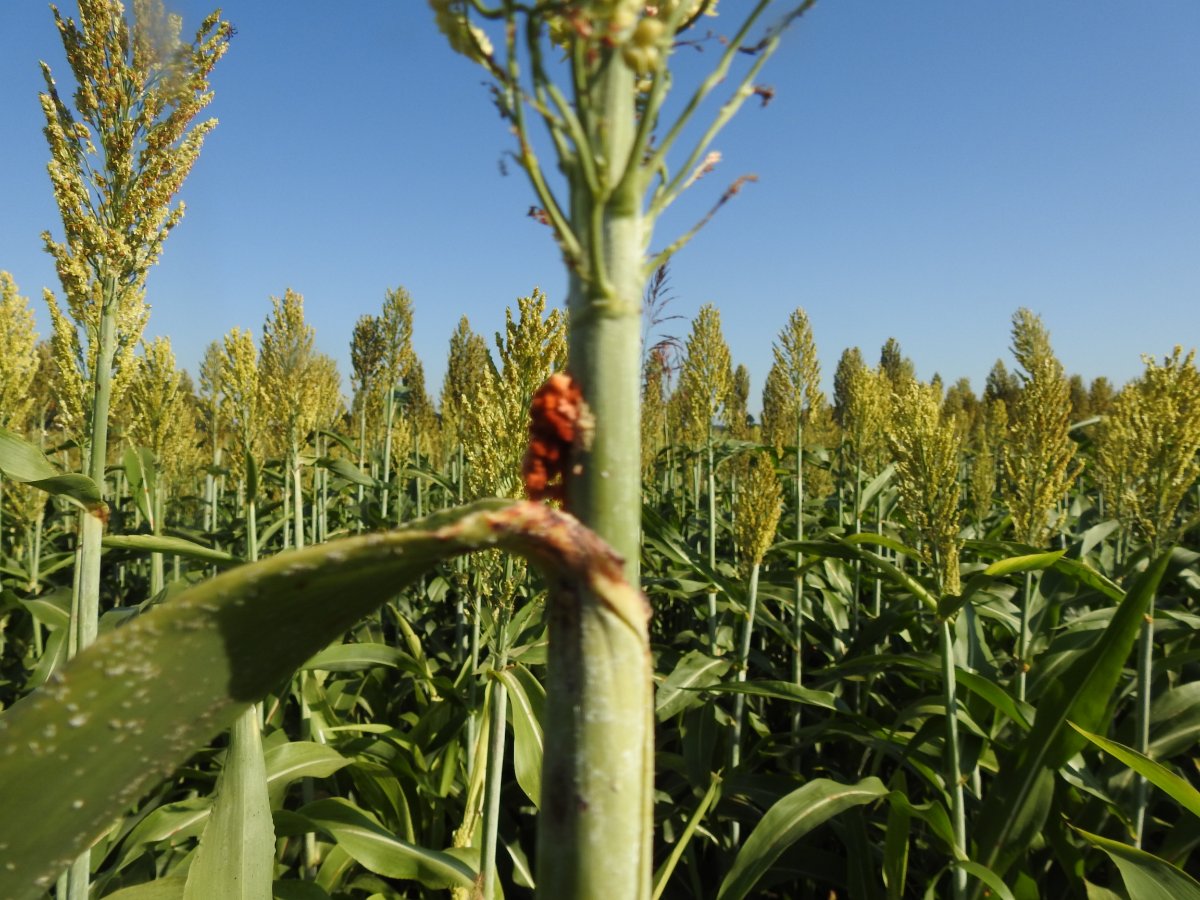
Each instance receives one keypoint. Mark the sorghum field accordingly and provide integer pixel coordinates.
(259, 639)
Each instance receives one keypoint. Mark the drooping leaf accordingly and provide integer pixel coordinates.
(987, 876)
(1146, 876)
(134, 705)
(378, 850)
(1178, 789)
(292, 760)
(355, 657)
(696, 669)
(1028, 563)
(792, 817)
(343, 468)
(23, 462)
(776, 690)
(154, 543)
(526, 701)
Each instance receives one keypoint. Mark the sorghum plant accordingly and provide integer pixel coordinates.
(117, 162)
(1038, 455)
(1146, 463)
(927, 452)
(792, 397)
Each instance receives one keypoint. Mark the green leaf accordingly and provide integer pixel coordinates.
(1028, 563)
(251, 477)
(177, 821)
(526, 701)
(896, 838)
(23, 462)
(696, 669)
(355, 657)
(381, 852)
(133, 706)
(777, 690)
(169, 888)
(299, 759)
(1178, 789)
(143, 478)
(792, 817)
(1175, 721)
(236, 856)
(1089, 577)
(883, 540)
(1019, 801)
(299, 890)
(886, 568)
(53, 609)
(663, 873)
(1146, 876)
(153, 543)
(343, 468)
(876, 484)
(987, 876)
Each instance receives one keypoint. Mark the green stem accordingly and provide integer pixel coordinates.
(297, 495)
(92, 526)
(1145, 679)
(798, 614)
(362, 454)
(739, 700)
(596, 827)
(495, 759)
(954, 782)
(473, 685)
(1023, 639)
(595, 830)
(157, 576)
(604, 340)
(712, 544)
(605, 310)
(389, 406)
(86, 609)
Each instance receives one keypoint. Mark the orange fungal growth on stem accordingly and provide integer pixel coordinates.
(557, 417)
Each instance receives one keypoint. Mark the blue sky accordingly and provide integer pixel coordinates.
(925, 169)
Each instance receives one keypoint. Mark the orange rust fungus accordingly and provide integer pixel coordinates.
(554, 419)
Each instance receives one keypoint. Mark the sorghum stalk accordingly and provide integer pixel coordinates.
(1038, 458)
(927, 452)
(595, 835)
(758, 505)
(1146, 460)
(954, 782)
(495, 757)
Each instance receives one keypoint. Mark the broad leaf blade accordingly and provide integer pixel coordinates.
(236, 857)
(135, 704)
